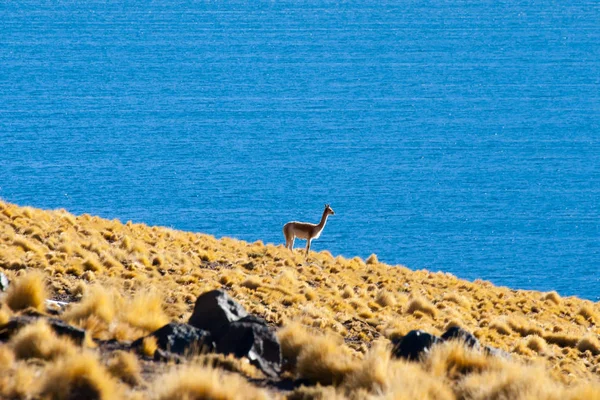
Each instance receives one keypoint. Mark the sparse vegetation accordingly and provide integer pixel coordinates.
(335, 318)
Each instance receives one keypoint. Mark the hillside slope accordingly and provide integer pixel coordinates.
(335, 317)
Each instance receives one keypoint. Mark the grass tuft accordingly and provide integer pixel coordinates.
(421, 304)
(453, 360)
(27, 291)
(561, 339)
(324, 360)
(92, 264)
(145, 311)
(7, 357)
(385, 299)
(125, 366)
(537, 344)
(38, 340)
(552, 297)
(589, 343)
(513, 382)
(149, 346)
(372, 259)
(372, 373)
(588, 313)
(78, 377)
(196, 382)
(5, 315)
(97, 302)
(252, 282)
(500, 326)
(19, 382)
(292, 338)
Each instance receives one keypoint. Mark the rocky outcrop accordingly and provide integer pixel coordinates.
(414, 344)
(214, 311)
(181, 339)
(417, 343)
(456, 333)
(219, 323)
(251, 337)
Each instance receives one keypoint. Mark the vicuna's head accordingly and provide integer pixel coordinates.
(328, 210)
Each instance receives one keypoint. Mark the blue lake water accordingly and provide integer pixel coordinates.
(449, 135)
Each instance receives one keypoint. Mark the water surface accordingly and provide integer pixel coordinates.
(454, 136)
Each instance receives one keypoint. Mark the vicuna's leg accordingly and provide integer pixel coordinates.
(289, 239)
(307, 247)
(289, 243)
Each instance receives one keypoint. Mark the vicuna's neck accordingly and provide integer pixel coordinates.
(323, 220)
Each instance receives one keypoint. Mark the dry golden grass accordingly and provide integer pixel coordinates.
(38, 340)
(78, 377)
(145, 311)
(97, 302)
(7, 357)
(372, 373)
(421, 305)
(196, 382)
(589, 343)
(125, 366)
(324, 360)
(149, 346)
(28, 290)
(125, 280)
(588, 313)
(453, 360)
(316, 393)
(372, 259)
(227, 363)
(18, 382)
(537, 344)
(252, 282)
(385, 299)
(293, 338)
(5, 315)
(552, 297)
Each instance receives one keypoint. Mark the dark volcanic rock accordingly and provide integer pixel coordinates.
(456, 333)
(181, 339)
(414, 344)
(59, 327)
(235, 332)
(251, 337)
(214, 311)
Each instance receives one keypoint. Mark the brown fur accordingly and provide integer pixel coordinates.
(305, 230)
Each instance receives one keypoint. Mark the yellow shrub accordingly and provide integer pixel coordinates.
(423, 305)
(145, 311)
(292, 338)
(125, 366)
(195, 382)
(325, 360)
(38, 340)
(27, 291)
(97, 302)
(80, 376)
